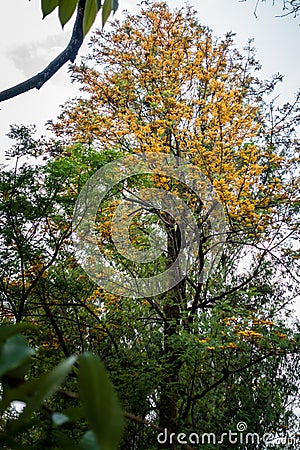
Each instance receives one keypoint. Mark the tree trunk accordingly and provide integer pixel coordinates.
(169, 386)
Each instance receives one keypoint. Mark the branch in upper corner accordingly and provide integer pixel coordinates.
(68, 54)
(289, 7)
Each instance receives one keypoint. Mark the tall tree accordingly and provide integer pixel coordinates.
(166, 85)
(215, 349)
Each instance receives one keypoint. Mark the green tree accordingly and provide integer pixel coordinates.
(235, 357)
(161, 83)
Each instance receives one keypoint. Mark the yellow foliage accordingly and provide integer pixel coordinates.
(162, 83)
(250, 334)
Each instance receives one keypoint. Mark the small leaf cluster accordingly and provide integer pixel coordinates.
(66, 9)
(98, 406)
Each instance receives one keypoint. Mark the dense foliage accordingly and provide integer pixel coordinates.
(215, 350)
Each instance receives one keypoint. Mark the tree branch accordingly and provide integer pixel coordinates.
(228, 372)
(68, 54)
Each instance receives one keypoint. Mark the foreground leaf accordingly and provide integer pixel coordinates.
(64, 442)
(13, 355)
(45, 388)
(48, 6)
(66, 10)
(107, 8)
(99, 402)
(10, 330)
(90, 13)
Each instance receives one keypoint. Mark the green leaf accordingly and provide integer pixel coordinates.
(115, 5)
(14, 353)
(66, 9)
(74, 413)
(64, 442)
(99, 402)
(107, 8)
(45, 388)
(48, 6)
(90, 13)
(9, 330)
(89, 441)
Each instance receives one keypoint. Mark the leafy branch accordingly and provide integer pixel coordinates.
(87, 11)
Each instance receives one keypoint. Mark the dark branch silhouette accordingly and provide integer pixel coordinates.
(288, 7)
(68, 54)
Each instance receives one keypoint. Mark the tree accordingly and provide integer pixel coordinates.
(87, 11)
(216, 349)
(168, 86)
(75, 317)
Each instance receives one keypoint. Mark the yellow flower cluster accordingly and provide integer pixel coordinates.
(163, 84)
(250, 334)
(263, 322)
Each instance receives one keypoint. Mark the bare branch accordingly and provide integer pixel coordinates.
(289, 7)
(68, 54)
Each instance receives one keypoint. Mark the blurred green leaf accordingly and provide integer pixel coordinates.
(107, 7)
(64, 442)
(100, 402)
(10, 330)
(90, 13)
(45, 388)
(74, 413)
(66, 9)
(48, 6)
(13, 354)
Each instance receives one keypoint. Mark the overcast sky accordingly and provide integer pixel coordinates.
(27, 44)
